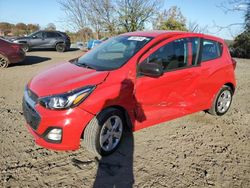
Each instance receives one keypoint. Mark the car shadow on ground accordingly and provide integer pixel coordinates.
(31, 60)
(116, 170)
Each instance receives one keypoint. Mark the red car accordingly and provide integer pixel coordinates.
(134, 80)
(10, 53)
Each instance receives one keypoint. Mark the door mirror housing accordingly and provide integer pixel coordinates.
(151, 69)
(34, 36)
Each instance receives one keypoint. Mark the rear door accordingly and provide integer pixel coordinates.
(212, 70)
(176, 92)
(50, 39)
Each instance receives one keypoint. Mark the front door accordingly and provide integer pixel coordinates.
(175, 93)
(37, 40)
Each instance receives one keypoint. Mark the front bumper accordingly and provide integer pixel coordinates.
(71, 121)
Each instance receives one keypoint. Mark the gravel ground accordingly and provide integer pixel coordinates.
(198, 150)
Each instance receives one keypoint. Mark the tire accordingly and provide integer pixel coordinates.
(222, 101)
(99, 137)
(4, 61)
(25, 47)
(60, 47)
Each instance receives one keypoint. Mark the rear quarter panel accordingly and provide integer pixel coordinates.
(217, 73)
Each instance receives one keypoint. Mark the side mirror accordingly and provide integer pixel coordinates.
(34, 36)
(150, 69)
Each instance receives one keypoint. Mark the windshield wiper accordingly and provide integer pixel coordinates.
(84, 65)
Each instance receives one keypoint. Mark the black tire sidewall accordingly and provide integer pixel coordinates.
(102, 118)
(216, 108)
(59, 46)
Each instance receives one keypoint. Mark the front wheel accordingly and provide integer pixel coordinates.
(222, 101)
(103, 134)
(25, 47)
(4, 62)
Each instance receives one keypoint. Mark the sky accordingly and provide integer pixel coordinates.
(42, 12)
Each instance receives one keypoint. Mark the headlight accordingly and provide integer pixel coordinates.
(66, 100)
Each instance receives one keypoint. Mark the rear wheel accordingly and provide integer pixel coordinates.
(4, 62)
(222, 101)
(60, 47)
(103, 134)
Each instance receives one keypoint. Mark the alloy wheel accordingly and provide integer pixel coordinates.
(224, 101)
(3, 62)
(111, 133)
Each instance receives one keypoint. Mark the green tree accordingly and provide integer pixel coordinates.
(241, 46)
(20, 29)
(6, 27)
(32, 28)
(171, 19)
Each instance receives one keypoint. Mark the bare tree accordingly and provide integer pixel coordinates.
(193, 26)
(233, 5)
(102, 15)
(230, 6)
(50, 27)
(75, 11)
(247, 17)
(134, 14)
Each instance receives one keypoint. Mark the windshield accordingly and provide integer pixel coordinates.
(112, 54)
(34, 33)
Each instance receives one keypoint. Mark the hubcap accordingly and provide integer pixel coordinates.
(224, 101)
(3, 62)
(111, 133)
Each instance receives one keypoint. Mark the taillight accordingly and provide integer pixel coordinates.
(234, 63)
(16, 46)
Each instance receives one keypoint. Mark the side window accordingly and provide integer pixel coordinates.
(38, 35)
(211, 50)
(51, 35)
(177, 54)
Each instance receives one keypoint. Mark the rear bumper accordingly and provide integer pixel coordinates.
(18, 58)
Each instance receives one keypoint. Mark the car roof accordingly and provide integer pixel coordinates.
(167, 33)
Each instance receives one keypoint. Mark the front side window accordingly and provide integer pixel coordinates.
(113, 53)
(177, 54)
(38, 34)
(210, 50)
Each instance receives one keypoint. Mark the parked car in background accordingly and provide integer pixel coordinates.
(45, 39)
(10, 53)
(92, 43)
(134, 80)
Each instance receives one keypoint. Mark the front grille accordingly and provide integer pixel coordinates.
(31, 116)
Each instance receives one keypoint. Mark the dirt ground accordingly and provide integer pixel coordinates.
(198, 150)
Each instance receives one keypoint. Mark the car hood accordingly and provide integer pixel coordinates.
(64, 78)
(19, 38)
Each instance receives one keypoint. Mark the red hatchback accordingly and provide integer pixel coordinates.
(10, 53)
(134, 80)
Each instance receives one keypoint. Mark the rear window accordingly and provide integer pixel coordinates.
(52, 34)
(211, 50)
